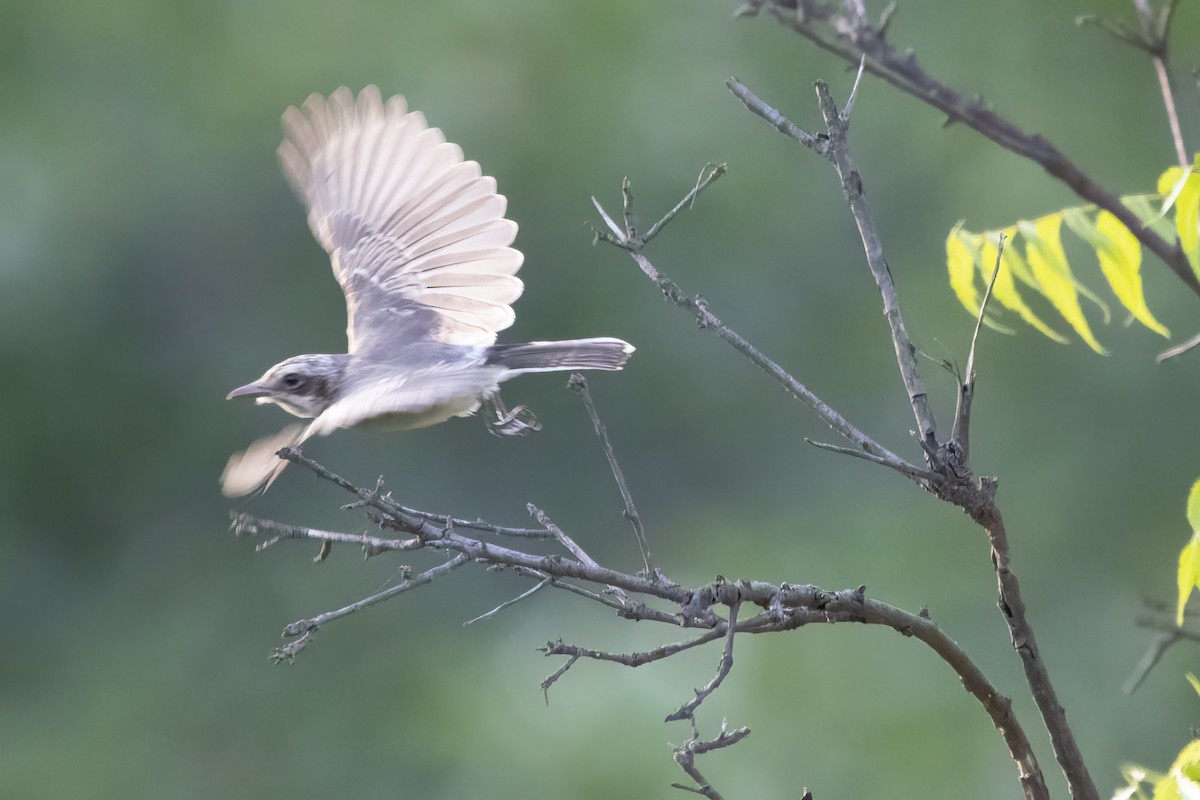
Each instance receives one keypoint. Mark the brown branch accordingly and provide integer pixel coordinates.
(1012, 608)
(949, 461)
(838, 153)
(706, 319)
(832, 146)
(852, 37)
(785, 607)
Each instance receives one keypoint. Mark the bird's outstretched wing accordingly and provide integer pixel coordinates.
(417, 235)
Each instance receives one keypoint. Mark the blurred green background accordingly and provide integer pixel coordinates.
(151, 258)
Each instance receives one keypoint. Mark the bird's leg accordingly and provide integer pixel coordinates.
(500, 421)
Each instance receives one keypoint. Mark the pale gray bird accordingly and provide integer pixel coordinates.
(419, 245)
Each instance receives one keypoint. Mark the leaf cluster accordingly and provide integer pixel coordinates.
(1038, 261)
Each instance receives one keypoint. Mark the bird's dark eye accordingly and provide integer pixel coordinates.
(292, 381)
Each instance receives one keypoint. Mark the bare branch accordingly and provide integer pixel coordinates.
(978, 501)
(997, 706)
(249, 525)
(862, 62)
(777, 120)
(1154, 653)
(688, 709)
(852, 37)
(578, 384)
(569, 543)
(301, 632)
(1012, 606)
(786, 607)
(1152, 40)
(708, 320)
(637, 659)
(558, 673)
(916, 473)
(685, 757)
(838, 153)
(508, 603)
(966, 390)
(707, 175)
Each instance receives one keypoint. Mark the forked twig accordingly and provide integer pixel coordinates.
(966, 390)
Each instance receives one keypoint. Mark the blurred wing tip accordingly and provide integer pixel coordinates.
(258, 466)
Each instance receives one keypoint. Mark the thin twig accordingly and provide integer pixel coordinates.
(833, 146)
(1152, 40)
(1158, 35)
(249, 525)
(966, 390)
(1178, 350)
(301, 632)
(479, 525)
(976, 500)
(636, 659)
(578, 384)
(685, 757)
(709, 321)
(560, 535)
(852, 37)
(916, 473)
(558, 673)
(787, 607)
(1150, 659)
(838, 154)
(708, 174)
(1164, 86)
(777, 120)
(849, 107)
(508, 603)
(688, 709)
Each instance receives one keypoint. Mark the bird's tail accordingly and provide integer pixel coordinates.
(598, 353)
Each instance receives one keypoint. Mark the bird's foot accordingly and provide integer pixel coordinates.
(500, 421)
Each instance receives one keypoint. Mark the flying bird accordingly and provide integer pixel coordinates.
(420, 246)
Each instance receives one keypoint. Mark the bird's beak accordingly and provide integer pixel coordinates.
(249, 390)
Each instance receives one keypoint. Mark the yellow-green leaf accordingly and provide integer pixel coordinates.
(1053, 223)
(1186, 770)
(1152, 217)
(1193, 507)
(961, 263)
(1194, 681)
(1120, 257)
(1185, 188)
(1048, 262)
(1188, 574)
(1012, 259)
(960, 260)
(1005, 288)
(1167, 789)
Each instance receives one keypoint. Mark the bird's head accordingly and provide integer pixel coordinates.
(303, 385)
